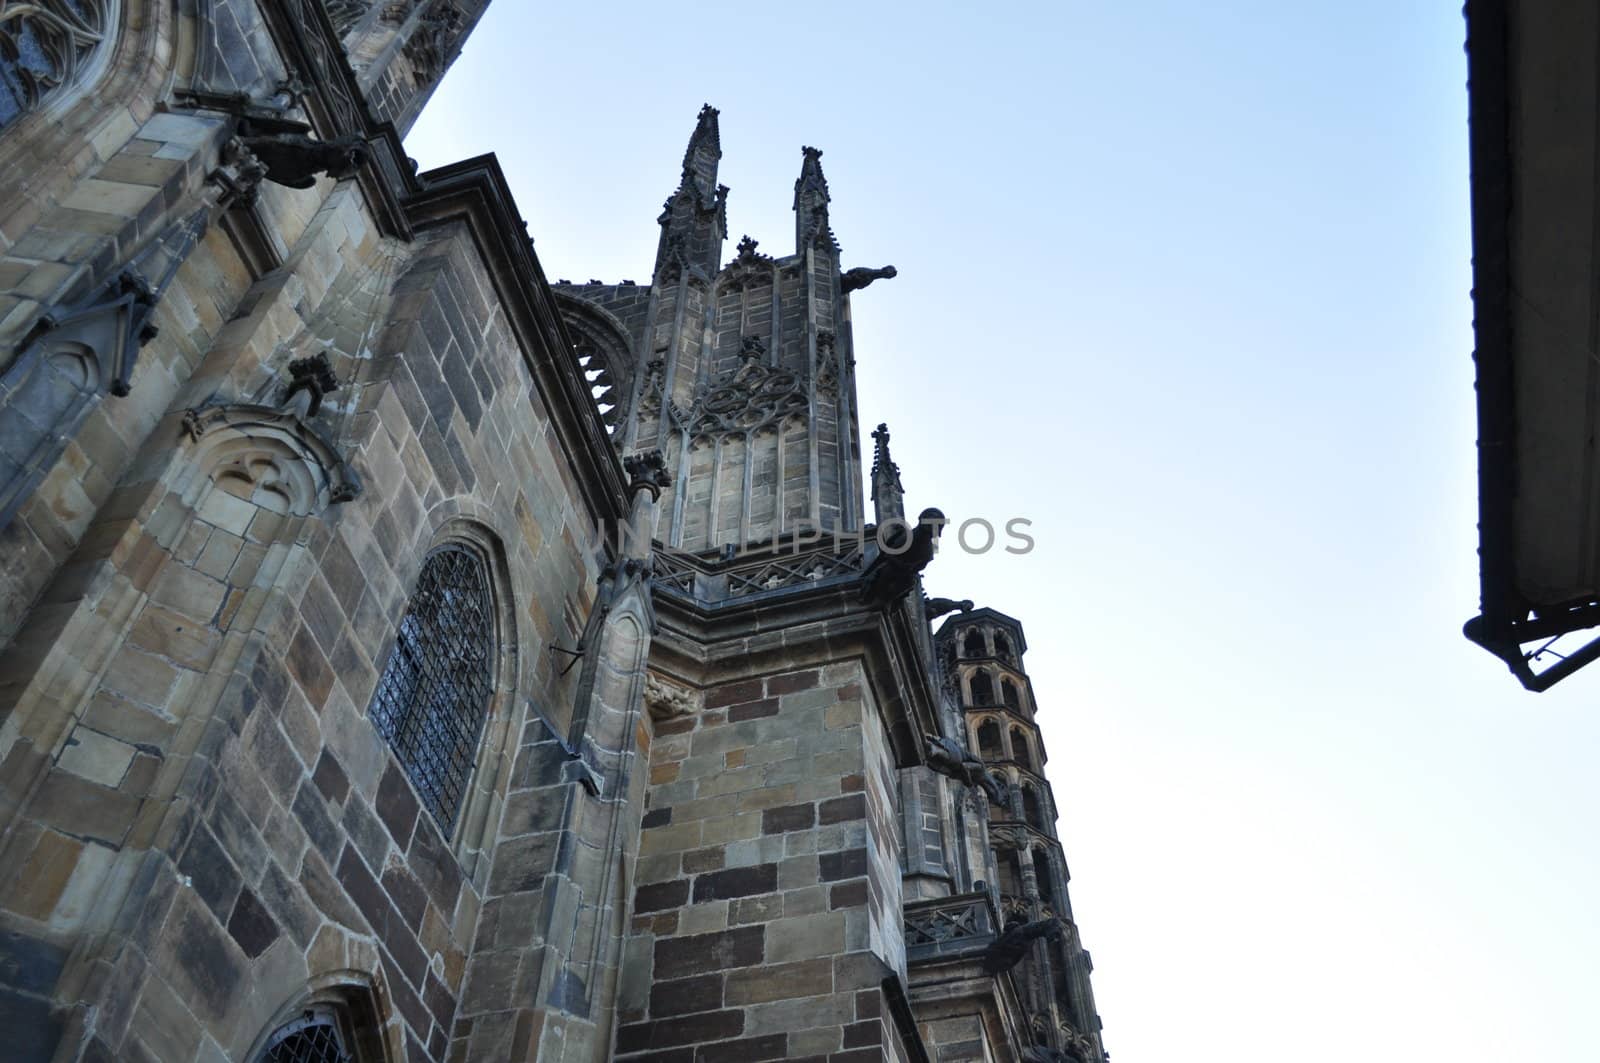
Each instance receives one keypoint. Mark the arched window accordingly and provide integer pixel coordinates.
(1008, 693)
(972, 645)
(1002, 647)
(434, 694)
(1010, 874)
(982, 689)
(1041, 875)
(1030, 807)
(315, 1037)
(989, 747)
(46, 46)
(1021, 750)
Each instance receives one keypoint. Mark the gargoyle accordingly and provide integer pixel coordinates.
(862, 276)
(293, 158)
(895, 570)
(955, 761)
(1008, 949)
(937, 607)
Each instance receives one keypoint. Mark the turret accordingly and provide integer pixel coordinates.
(740, 373)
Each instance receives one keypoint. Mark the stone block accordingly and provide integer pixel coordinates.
(735, 882)
(708, 953)
(788, 818)
(684, 996)
(86, 809)
(781, 981)
(96, 757)
(681, 1030)
(251, 926)
(660, 896)
(806, 937)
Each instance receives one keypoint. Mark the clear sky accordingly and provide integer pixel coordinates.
(1187, 286)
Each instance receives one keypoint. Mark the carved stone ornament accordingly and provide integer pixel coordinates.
(325, 477)
(748, 269)
(647, 471)
(293, 158)
(1014, 943)
(827, 365)
(65, 365)
(894, 572)
(650, 391)
(753, 397)
(238, 176)
(428, 47)
(938, 607)
(46, 45)
(345, 14)
(667, 701)
(861, 276)
(312, 377)
(1009, 838)
(951, 759)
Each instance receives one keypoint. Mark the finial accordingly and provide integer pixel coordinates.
(888, 496)
(811, 203)
(312, 376)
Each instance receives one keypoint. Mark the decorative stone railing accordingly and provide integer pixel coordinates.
(949, 927)
(714, 581)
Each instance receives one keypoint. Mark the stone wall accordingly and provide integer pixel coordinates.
(767, 900)
(213, 822)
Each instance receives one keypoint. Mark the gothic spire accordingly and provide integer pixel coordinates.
(888, 496)
(811, 203)
(695, 219)
(704, 152)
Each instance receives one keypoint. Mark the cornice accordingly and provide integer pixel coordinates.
(474, 192)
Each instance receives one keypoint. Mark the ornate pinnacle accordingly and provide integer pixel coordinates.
(888, 496)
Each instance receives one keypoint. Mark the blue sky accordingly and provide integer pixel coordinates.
(1187, 286)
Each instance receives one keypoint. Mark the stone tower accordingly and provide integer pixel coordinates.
(739, 372)
(980, 653)
(329, 727)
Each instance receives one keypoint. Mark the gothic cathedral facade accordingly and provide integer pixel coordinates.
(403, 657)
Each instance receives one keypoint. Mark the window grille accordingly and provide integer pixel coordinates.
(312, 1038)
(434, 694)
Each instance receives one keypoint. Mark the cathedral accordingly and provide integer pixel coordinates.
(404, 657)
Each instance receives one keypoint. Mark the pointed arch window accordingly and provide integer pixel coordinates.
(989, 747)
(1031, 809)
(1043, 877)
(1021, 749)
(1002, 648)
(434, 695)
(315, 1037)
(972, 645)
(1008, 694)
(982, 688)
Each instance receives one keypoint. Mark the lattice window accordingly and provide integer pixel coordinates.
(315, 1037)
(434, 694)
(44, 45)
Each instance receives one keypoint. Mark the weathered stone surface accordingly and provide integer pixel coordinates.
(703, 953)
(195, 624)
